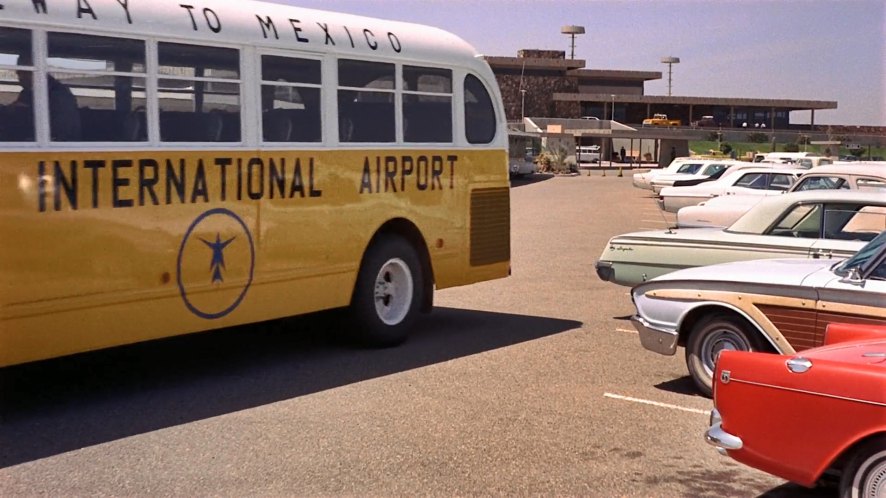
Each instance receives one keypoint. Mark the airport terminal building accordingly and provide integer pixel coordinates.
(544, 83)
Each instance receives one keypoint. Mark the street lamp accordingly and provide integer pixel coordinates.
(670, 61)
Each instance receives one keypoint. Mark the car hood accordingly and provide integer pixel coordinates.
(767, 271)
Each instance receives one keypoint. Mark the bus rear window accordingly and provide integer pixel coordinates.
(480, 119)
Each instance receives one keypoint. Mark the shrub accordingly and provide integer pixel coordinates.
(758, 138)
(791, 148)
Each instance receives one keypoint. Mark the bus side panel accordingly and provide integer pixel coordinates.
(104, 249)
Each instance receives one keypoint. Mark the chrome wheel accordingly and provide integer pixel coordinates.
(868, 474)
(716, 341)
(710, 337)
(393, 291)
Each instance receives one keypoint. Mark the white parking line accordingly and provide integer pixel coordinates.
(656, 403)
(629, 331)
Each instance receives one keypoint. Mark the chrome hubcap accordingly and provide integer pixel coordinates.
(393, 291)
(718, 341)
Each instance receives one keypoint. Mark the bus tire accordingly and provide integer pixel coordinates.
(388, 293)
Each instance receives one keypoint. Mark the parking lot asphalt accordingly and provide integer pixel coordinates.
(531, 385)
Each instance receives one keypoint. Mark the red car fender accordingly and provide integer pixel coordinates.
(787, 429)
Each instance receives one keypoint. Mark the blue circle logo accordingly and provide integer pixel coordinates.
(215, 264)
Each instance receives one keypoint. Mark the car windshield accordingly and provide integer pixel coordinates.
(690, 168)
(861, 258)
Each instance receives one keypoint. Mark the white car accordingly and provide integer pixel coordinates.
(776, 305)
(724, 210)
(679, 165)
(706, 170)
(744, 181)
(817, 224)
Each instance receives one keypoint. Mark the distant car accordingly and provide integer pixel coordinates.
(588, 153)
(816, 412)
(724, 210)
(706, 121)
(661, 120)
(521, 154)
(591, 118)
(800, 225)
(708, 170)
(679, 165)
(777, 305)
(736, 181)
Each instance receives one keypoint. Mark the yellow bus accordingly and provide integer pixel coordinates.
(169, 168)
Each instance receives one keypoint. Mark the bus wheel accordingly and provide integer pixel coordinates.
(717, 333)
(388, 293)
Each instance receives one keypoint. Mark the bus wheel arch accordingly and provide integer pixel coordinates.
(393, 284)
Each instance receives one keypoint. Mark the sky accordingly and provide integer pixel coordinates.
(832, 50)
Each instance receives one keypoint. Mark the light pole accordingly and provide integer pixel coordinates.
(572, 31)
(670, 61)
(522, 104)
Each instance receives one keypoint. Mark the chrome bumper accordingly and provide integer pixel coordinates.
(605, 271)
(720, 439)
(655, 339)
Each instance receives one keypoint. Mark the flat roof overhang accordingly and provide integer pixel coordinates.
(611, 129)
(533, 63)
(608, 74)
(794, 105)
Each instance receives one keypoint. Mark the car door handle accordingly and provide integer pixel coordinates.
(817, 254)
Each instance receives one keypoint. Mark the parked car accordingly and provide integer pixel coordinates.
(705, 121)
(778, 305)
(588, 154)
(679, 165)
(801, 225)
(724, 210)
(661, 120)
(820, 411)
(744, 181)
(521, 153)
(707, 170)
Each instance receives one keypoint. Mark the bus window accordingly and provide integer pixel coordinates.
(199, 94)
(290, 99)
(96, 88)
(427, 105)
(366, 101)
(479, 112)
(16, 73)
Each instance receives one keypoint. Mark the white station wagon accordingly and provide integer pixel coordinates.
(777, 305)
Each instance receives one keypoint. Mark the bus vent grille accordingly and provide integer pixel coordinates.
(490, 226)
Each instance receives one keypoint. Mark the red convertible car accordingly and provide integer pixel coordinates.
(821, 410)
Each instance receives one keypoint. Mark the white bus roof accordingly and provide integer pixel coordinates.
(246, 22)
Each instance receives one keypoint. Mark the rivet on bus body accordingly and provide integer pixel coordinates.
(439, 243)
